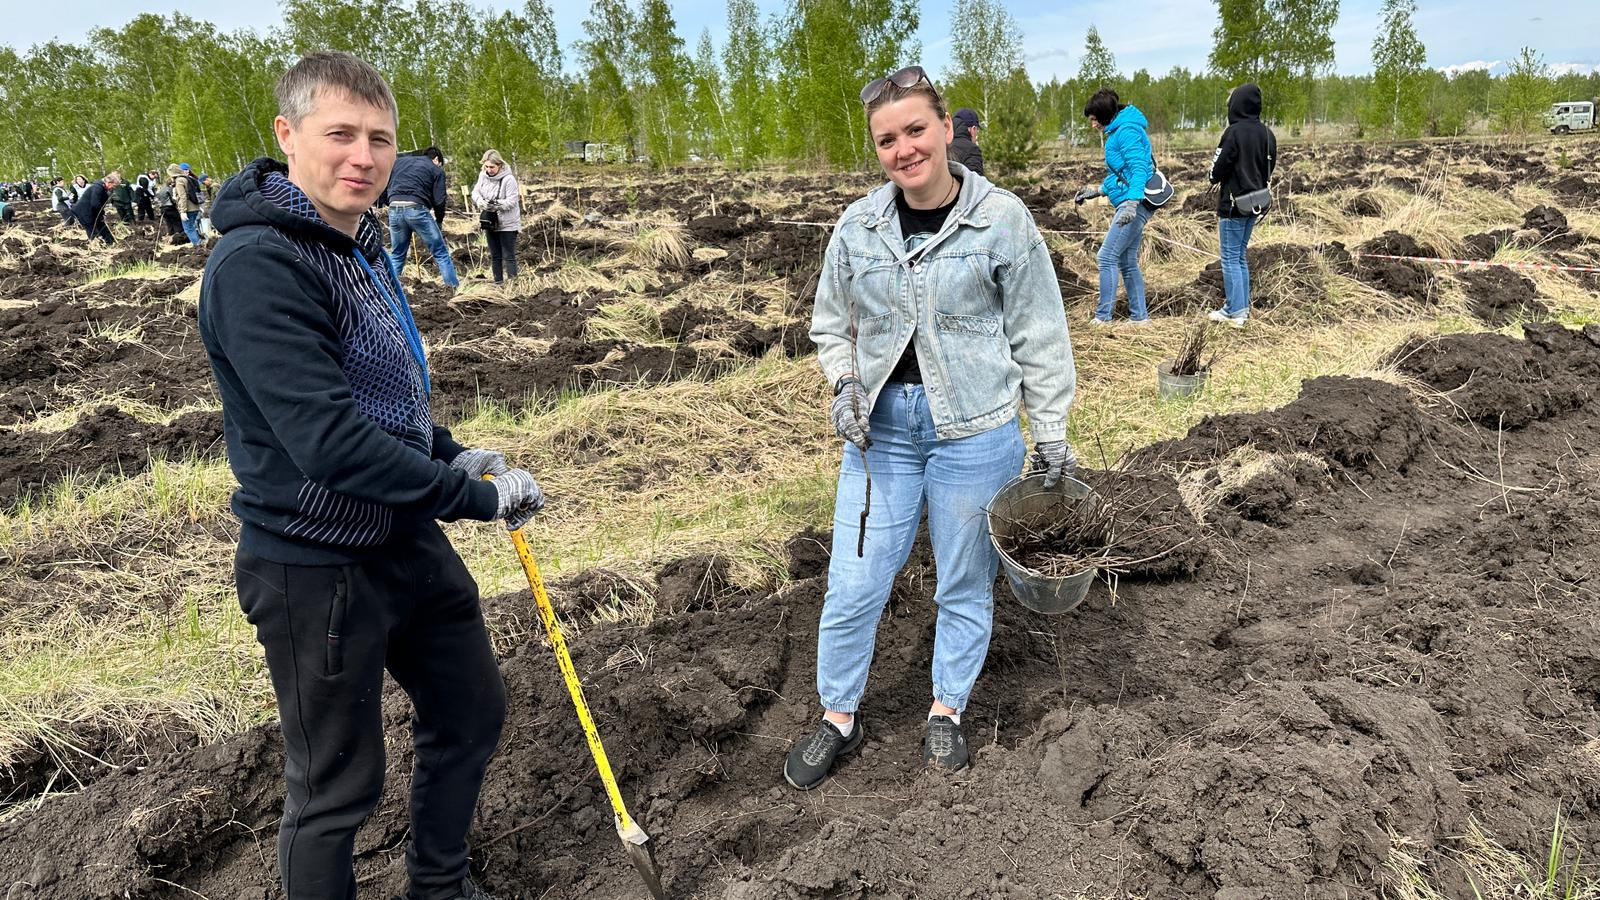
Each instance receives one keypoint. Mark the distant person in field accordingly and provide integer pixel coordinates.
(122, 200)
(1129, 164)
(417, 194)
(144, 195)
(933, 345)
(1243, 164)
(91, 207)
(497, 195)
(964, 147)
(61, 200)
(167, 202)
(8, 214)
(79, 185)
(341, 565)
(186, 194)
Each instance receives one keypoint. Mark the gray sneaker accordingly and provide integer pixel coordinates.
(811, 759)
(945, 746)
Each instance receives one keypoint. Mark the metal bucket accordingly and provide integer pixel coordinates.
(1025, 497)
(1170, 386)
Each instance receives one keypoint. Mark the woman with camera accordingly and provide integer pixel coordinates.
(499, 203)
(1242, 166)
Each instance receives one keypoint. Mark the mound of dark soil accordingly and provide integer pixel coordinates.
(1576, 187)
(1276, 720)
(1364, 205)
(1401, 278)
(1501, 382)
(1357, 423)
(1547, 220)
(1498, 296)
(1486, 244)
(1264, 261)
(106, 439)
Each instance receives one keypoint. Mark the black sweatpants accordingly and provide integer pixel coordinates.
(99, 229)
(329, 633)
(147, 210)
(503, 254)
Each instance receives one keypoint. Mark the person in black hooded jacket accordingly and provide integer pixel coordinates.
(341, 566)
(1243, 163)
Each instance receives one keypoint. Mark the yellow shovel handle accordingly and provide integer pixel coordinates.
(547, 616)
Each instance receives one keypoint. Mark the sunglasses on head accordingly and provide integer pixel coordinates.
(909, 77)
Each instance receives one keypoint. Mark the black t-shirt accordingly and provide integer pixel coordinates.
(917, 226)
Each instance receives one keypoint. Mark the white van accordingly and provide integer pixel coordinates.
(1570, 115)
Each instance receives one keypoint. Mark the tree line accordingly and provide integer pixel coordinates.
(780, 88)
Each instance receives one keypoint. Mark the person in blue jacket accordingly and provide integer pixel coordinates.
(1129, 163)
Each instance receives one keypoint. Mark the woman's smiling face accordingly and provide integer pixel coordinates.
(910, 139)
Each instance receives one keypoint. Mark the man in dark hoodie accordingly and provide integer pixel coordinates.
(964, 146)
(416, 195)
(91, 207)
(341, 566)
(1243, 164)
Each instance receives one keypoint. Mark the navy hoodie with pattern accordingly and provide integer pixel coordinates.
(324, 388)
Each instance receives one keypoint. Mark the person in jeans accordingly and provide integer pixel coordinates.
(1245, 158)
(1129, 164)
(938, 318)
(497, 192)
(341, 565)
(417, 196)
(186, 194)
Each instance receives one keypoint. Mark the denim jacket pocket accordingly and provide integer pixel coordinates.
(982, 326)
(877, 325)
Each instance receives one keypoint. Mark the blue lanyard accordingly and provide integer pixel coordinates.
(402, 313)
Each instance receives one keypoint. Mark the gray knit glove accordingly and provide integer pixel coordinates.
(1125, 212)
(1054, 458)
(478, 463)
(1087, 193)
(520, 498)
(850, 412)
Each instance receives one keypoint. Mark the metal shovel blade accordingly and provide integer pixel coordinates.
(643, 857)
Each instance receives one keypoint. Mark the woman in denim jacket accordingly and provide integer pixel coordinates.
(1128, 166)
(938, 319)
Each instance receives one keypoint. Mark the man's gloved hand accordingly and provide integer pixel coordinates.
(1054, 458)
(520, 498)
(1087, 193)
(850, 411)
(478, 463)
(1125, 212)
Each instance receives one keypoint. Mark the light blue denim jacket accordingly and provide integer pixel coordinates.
(980, 296)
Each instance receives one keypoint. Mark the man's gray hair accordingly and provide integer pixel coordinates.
(315, 72)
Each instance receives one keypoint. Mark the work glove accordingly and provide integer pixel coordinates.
(1125, 212)
(520, 498)
(478, 463)
(850, 411)
(1054, 458)
(1087, 193)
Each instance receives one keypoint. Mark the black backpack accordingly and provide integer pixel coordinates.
(192, 188)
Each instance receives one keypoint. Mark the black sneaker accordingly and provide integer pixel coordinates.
(945, 746)
(811, 759)
(470, 891)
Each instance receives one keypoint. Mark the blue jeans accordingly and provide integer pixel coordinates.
(1120, 255)
(403, 220)
(191, 226)
(1233, 236)
(956, 479)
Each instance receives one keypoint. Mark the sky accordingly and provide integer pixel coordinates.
(1164, 33)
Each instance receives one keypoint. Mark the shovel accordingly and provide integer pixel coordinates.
(634, 839)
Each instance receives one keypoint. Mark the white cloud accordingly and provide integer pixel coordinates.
(1477, 65)
(1571, 68)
